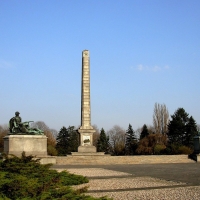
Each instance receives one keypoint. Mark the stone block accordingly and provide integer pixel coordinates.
(87, 154)
(47, 160)
(87, 149)
(35, 145)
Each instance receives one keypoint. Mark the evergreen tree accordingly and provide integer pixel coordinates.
(131, 141)
(191, 131)
(62, 141)
(74, 139)
(103, 142)
(67, 140)
(181, 128)
(144, 132)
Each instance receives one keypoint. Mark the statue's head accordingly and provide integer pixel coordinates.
(17, 113)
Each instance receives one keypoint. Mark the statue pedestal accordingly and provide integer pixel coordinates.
(35, 145)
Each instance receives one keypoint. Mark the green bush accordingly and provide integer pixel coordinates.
(174, 149)
(51, 150)
(184, 150)
(25, 178)
(159, 148)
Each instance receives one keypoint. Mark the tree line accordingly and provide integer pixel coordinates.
(165, 136)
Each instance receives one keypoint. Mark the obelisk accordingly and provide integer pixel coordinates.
(86, 130)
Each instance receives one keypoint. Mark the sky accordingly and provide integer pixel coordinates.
(141, 52)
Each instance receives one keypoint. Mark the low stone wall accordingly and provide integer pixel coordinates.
(47, 159)
(110, 160)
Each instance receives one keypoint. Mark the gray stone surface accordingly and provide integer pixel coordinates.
(91, 159)
(35, 145)
(86, 149)
(80, 155)
(147, 181)
(47, 159)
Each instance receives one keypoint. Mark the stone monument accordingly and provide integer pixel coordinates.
(86, 130)
(24, 138)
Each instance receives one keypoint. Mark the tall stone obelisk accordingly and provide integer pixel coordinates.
(86, 130)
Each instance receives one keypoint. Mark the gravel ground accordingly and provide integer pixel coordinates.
(95, 172)
(186, 193)
(140, 188)
(127, 183)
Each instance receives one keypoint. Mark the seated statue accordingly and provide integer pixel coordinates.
(17, 127)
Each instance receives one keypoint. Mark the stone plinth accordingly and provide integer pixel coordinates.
(35, 145)
(86, 140)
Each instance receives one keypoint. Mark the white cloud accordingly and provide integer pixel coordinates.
(5, 64)
(141, 67)
(166, 67)
(155, 68)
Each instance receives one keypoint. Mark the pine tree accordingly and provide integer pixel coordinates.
(191, 131)
(181, 128)
(67, 140)
(131, 141)
(62, 141)
(144, 132)
(74, 139)
(103, 142)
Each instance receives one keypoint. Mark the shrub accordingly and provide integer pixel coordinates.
(184, 150)
(174, 149)
(147, 144)
(159, 148)
(51, 150)
(25, 178)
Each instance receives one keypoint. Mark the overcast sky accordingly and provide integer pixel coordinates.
(141, 52)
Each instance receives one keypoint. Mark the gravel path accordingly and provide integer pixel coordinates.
(121, 185)
(188, 193)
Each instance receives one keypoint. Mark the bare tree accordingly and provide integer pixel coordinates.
(138, 132)
(1, 128)
(151, 129)
(160, 118)
(117, 137)
(40, 125)
(50, 138)
(3, 132)
(54, 132)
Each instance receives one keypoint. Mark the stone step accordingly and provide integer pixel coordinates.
(107, 160)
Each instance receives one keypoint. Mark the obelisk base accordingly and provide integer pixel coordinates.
(86, 140)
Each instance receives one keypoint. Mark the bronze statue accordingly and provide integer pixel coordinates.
(17, 127)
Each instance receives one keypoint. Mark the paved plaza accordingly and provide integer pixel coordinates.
(141, 181)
